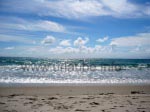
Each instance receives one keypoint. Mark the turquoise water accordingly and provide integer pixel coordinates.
(42, 70)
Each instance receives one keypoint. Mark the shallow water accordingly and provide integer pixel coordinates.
(103, 71)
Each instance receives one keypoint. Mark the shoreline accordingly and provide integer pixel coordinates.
(77, 89)
(68, 84)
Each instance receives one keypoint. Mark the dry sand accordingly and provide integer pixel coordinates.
(83, 98)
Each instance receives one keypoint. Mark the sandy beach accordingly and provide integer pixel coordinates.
(75, 98)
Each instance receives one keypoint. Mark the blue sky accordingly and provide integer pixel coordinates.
(75, 28)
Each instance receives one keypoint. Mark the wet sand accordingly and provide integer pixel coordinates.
(75, 98)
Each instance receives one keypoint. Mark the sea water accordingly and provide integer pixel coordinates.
(14, 70)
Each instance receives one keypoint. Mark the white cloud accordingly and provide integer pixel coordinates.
(34, 25)
(9, 48)
(85, 49)
(142, 39)
(102, 39)
(46, 26)
(65, 43)
(81, 50)
(80, 42)
(98, 48)
(121, 8)
(48, 40)
(77, 9)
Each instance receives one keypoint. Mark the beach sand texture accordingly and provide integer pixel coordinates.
(75, 99)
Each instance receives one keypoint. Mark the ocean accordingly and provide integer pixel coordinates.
(21, 70)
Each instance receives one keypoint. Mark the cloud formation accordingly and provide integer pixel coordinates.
(102, 39)
(31, 25)
(80, 41)
(61, 50)
(120, 47)
(48, 40)
(65, 43)
(77, 9)
(141, 39)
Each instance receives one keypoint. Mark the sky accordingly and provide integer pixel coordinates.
(75, 28)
